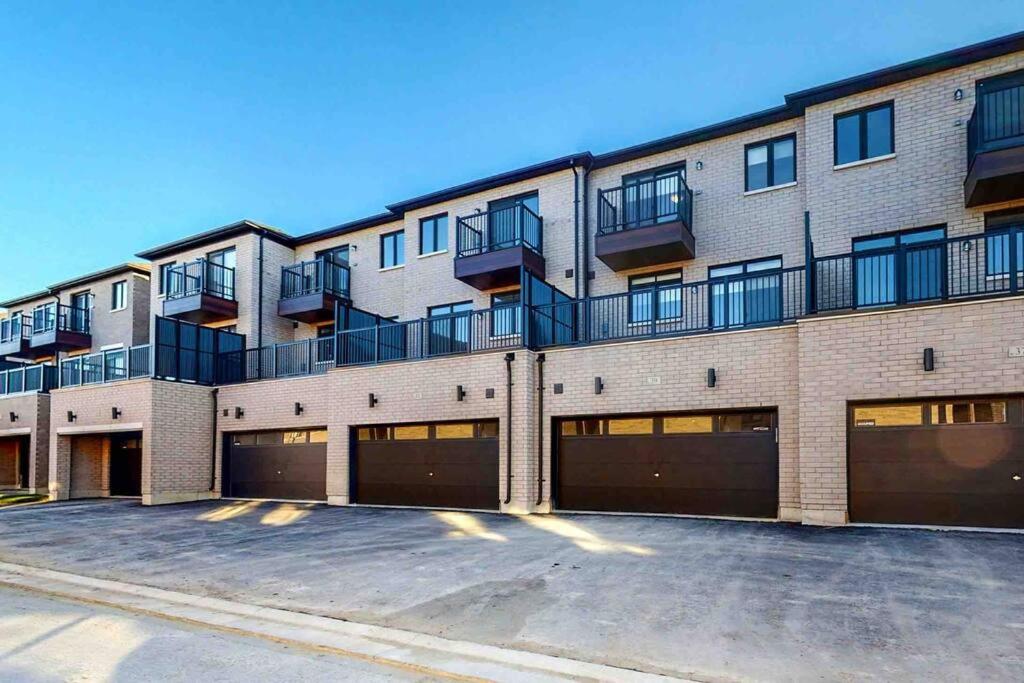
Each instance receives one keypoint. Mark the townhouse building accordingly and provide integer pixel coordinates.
(811, 314)
(87, 324)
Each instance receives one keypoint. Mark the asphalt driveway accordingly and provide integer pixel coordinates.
(707, 599)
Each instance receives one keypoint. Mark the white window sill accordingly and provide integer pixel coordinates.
(389, 268)
(769, 189)
(433, 253)
(118, 310)
(864, 162)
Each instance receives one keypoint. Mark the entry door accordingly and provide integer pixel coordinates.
(24, 447)
(126, 465)
(899, 268)
(449, 333)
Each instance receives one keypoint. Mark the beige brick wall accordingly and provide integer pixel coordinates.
(176, 424)
(33, 412)
(878, 356)
(754, 369)
(90, 466)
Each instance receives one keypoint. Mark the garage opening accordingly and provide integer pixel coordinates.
(942, 462)
(444, 464)
(14, 457)
(276, 465)
(716, 464)
(126, 464)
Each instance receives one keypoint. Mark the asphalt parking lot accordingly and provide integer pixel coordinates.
(712, 600)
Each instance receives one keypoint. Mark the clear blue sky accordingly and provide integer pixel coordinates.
(123, 126)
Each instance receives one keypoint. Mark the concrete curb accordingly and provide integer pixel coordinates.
(407, 650)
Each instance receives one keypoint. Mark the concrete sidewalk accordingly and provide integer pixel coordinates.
(402, 651)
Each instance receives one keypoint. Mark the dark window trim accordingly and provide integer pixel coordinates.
(162, 270)
(516, 198)
(862, 112)
(451, 305)
(383, 238)
(998, 220)
(424, 220)
(516, 320)
(657, 273)
(330, 250)
(113, 295)
(217, 252)
(770, 143)
(897, 233)
(652, 287)
(627, 178)
(745, 263)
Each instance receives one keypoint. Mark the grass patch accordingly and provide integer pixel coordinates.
(19, 498)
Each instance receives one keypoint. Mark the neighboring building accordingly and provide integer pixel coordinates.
(811, 314)
(88, 323)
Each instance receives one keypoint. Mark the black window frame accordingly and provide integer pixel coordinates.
(770, 144)
(434, 227)
(656, 312)
(115, 287)
(516, 317)
(862, 114)
(162, 278)
(332, 253)
(399, 255)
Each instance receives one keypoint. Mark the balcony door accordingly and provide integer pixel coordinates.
(898, 268)
(748, 293)
(44, 317)
(652, 197)
(508, 225)
(81, 303)
(220, 275)
(448, 328)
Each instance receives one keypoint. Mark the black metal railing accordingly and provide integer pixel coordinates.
(186, 352)
(488, 329)
(106, 366)
(970, 266)
(60, 317)
(664, 199)
(200, 277)
(997, 121)
(30, 378)
(293, 359)
(719, 304)
(321, 275)
(512, 226)
(15, 329)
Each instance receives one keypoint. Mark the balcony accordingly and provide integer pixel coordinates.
(15, 334)
(647, 223)
(493, 247)
(28, 379)
(995, 142)
(58, 327)
(201, 292)
(309, 290)
(106, 366)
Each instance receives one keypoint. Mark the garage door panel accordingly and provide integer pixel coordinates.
(946, 474)
(725, 474)
(276, 471)
(431, 472)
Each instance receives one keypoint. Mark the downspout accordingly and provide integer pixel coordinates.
(259, 305)
(213, 445)
(509, 357)
(586, 231)
(540, 428)
(576, 227)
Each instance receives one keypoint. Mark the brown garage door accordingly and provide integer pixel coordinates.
(287, 465)
(956, 463)
(430, 465)
(723, 464)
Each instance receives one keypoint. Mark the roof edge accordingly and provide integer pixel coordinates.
(209, 236)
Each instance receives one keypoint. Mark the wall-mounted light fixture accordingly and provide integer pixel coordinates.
(598, 385)
(239, 412)
(712, 378)
(14, 416)
(115, 413)
(700, 165)
(460, 393)
(373, 400)
(298, 408)
(958, 94)
(929, 359)
(71, 416)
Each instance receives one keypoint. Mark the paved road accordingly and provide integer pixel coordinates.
(699, 598)
(45, 639)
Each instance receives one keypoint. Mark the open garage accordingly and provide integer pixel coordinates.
(444, 464)
(719, 464)
(953, 462)
(276, 465)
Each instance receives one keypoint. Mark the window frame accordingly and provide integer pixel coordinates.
(770, 179)
(434, 221)
(116, 287)
(162, 280)
(654, 288)
(862, 114)
(517, 327)
(212, 256)
(399, 255)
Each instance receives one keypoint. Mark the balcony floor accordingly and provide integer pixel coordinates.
(316, 307)
(641, 247)
(499, 268)
(995, 176)
(201, 308)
